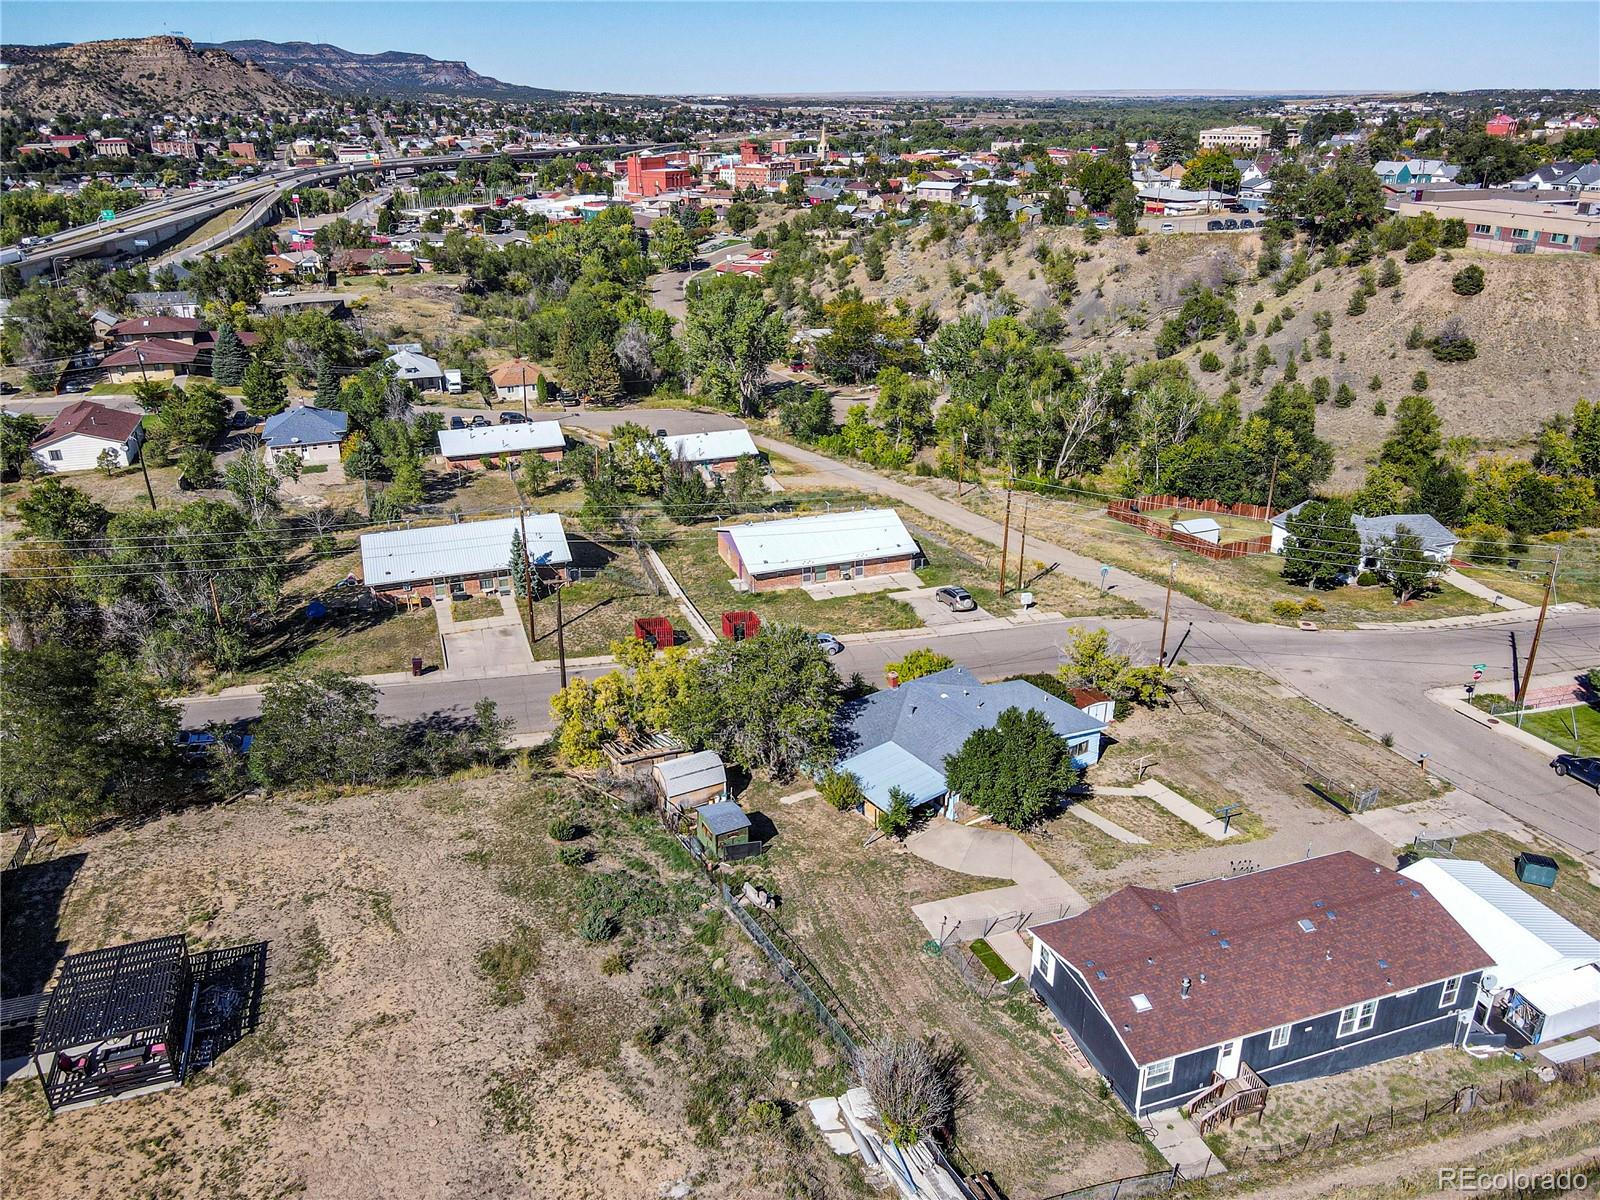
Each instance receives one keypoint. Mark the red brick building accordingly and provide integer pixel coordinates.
(768, 555)
(652, 174)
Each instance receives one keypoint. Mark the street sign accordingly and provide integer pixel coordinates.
(1104, 571)
(1477, 671)
(108, 214)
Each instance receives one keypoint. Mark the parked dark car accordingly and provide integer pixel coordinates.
(1213, 226)
(956, 599)
(1247, 223)
(661, 433)
(241, 420)
(480, 422)
(1230, 223)
(512, 418)
(457, 423)
(1583, 769)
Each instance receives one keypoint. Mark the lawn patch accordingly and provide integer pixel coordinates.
(985, 953)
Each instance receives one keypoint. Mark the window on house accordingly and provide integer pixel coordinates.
(1047, 965)
(1452, 989)
(55, 456)
(1480, 229)
(1358, 1018)
(1279, 1038)
(1158, 1074)
(1559, 239)
(1520, 234)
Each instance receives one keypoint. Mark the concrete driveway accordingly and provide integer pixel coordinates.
(490, 645)
(1038, 894)
(935, 615)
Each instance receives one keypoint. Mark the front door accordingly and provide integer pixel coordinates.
(1228, 1059)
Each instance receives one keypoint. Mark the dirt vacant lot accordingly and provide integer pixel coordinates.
(431, 1026)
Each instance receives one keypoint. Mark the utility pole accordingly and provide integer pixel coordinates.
(1166, 611)
(961, 462)
(561, 637)
(1272, 482)
(524, 389)
(1022, 549)
(1005, 541)
(216, 609)
(1538, 632)
(145, 470)
(144, 376)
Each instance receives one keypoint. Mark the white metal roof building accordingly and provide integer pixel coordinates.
(690, 774)
(715, 446)
(1539, 956)
(519, 438)
(798, 543)
(400, 557)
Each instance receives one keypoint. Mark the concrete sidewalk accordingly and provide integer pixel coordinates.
(1185, 810)
(1517, 617)
(1484, 592)
(1178, 1141)
(687, 606)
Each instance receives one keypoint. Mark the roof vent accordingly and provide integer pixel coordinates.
(1383, 964)
(1088, 962)
(1141, 1002)
(1214, 932)
(1223, 943)
(1307, 925)
(1185, 992)
(1099, 974)
(1327, 956)
(1316, 904)
(1150, 961)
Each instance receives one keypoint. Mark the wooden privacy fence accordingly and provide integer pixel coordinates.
(1129, 512)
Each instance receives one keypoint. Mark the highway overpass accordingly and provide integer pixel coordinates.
(139, 233)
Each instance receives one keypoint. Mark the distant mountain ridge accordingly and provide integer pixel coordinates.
(137, 77)
(392, 73)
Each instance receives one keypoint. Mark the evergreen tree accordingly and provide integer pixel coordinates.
(265, 393)
(229, 358)
(327, 383)
(518, 564)
(1415, 440)
(605, 382)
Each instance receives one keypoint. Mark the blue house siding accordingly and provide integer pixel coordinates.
(1069, 1001)
(1402, 1024)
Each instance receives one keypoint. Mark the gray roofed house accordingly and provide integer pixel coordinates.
(928, 719)
(1438, 543)
(313, 433)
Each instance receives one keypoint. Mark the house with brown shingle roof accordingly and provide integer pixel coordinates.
(141, 329)
(81, 432)
(1307, 969)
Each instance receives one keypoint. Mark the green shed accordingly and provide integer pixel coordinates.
(720, 826)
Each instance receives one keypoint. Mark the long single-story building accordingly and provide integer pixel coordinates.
(465, 448)
(719, 450)
(1285, 974)
(315, 434)
(1517, 226)
(472, 556)
(765, 555)
(900, 737)
(1438, 542)
(1545, 979)
(80, 433)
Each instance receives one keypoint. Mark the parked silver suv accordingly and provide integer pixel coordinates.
(956, 599)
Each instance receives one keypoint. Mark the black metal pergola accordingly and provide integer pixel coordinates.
(114, 1022)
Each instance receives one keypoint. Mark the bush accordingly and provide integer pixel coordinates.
(572, 856)
(1210, 363)
(1344, 396)
(1419, 382)
(840, 789)
(1358, 304)
(597, 926)
(615, 963)
(1420, 250)
(1289, 610)
(1369, 579)
(1311, 604)
(1375, 384)
(1379, 408)
(565, 829)
(1468, 281)
(1452, 344)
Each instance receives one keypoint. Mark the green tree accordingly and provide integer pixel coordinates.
(1100, 182)
(265, 392)
(730, 335)
(1388, 273)
(44, 328)
(897, 820)
(1468, 281)
(229, 358)
(59, 512)
(1018, 771)
(765, 703)
(1415, 439)
(321, 728)
(17, 431)
(1452, 343)
(919, 662)
(806, 413)
(82, 737)
(670, 244)
(1212, 170)
(605, 381)
(1322, 545)
(197, 467)
(1441, 492)
(1403, 562)
(327, 382)
(194, 415)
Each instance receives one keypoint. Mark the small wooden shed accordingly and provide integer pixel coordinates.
(688, 782)
(721, 827)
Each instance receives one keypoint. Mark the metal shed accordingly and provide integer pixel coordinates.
(693, 780)
(721, 827)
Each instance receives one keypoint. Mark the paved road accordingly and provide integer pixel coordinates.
(666, 289)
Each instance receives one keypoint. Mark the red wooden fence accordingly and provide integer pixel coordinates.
(1129, 513)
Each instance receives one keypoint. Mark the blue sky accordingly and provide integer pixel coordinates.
(757, 46)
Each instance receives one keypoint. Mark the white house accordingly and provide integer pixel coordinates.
(417, 368)
(719, 450)
(465, 447)
(1545, 981)
(473, 556)
(516, 381)
(80, 433)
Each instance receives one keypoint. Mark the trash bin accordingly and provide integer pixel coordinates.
(416, 666)
(1537, 870)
